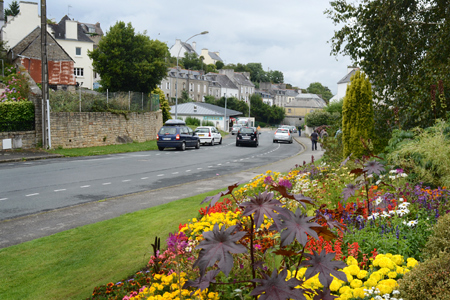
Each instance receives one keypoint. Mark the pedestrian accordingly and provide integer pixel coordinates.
(299, 130)
(314, 137)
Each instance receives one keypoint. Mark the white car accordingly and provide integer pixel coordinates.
(235, 129)
(208, 135)
(283, 135)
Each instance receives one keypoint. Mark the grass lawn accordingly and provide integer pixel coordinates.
(69, 264)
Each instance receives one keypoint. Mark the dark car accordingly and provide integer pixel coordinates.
(175, 134)
(247, 136)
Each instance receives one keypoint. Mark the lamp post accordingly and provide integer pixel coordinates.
(176, 83)
(225, 123)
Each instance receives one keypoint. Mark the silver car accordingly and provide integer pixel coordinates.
(235, 129)
(282, 135)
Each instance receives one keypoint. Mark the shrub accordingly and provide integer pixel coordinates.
(429, 280)
(16, 116)
(439, 241)
(192, 121)
(207, 123)
(427, 155)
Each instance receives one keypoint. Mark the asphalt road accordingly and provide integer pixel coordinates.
(40, 198)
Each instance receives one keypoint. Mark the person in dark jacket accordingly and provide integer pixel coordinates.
(314, 138)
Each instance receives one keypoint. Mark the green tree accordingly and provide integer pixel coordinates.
(12, 10)
(317, 118)
(191, 61)
(318, 89)
(163, 103)
(357, 115)
(219, 65)
(129, 62)
(257, 73)
(276, 76)
(404, 47)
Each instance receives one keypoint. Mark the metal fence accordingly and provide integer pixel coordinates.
(16, 126)
(92, 101)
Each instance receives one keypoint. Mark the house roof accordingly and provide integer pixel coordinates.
(30, 47)
(307, 100)
(188, 47)
(203, 109)
(347, 77)
(60, 31)
(186, 74)
(241, 79)
(221, 80)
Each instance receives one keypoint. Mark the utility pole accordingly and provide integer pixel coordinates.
(44, 69)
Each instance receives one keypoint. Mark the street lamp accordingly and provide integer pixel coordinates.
(176, 83)
(225, 125)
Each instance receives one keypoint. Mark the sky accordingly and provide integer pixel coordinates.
(291, 36)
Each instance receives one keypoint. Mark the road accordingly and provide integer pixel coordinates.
(28, 188)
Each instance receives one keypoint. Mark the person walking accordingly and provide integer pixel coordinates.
(314, 137)
(299, 130)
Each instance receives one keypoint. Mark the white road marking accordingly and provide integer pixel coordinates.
(126, 180)
(219, 164)
(160, 175)
(210, 166)
(29, 195)
(144, 178)
(106, 183)
(84, 186)
(3, 199)
(60, 190)
(175, 173)
(188, 170)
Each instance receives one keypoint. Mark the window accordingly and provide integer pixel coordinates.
(168, 85)
(78, 51)
(79, 72)
(289, 110)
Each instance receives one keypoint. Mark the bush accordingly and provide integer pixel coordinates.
(428, 280)
(426, 156)
(439, 240)
(16, 116)
(192, 121)
(208, 123)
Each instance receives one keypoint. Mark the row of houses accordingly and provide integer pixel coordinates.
(69, 65)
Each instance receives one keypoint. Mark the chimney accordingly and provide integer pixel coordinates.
(194, 45)
(71, 30)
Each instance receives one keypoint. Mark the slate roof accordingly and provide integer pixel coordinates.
(241, 79)
(60, 31)
(30, 47)
(188, 47)
(307, 100)
(203, 109)
(221, 80)
(184, 74)
(347, 77)
(214, 56)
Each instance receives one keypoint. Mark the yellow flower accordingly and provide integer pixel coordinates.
(353, 270)
(356, 283)
(411, 262)
(335, 285)
(362, 274)
(352, 261)
(392, 275)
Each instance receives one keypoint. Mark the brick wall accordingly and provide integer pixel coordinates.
(76, 130)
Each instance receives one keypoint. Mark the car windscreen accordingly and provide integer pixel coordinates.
(246, 130)
(202, 130)
(168, 130)
(282, 131)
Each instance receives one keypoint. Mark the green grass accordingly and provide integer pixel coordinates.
(69, 264)
(103, 150)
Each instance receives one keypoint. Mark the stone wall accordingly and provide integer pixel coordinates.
(18, 140)
(77, 130)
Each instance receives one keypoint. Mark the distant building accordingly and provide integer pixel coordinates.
(242, 81)
(302, 104)
(210, 57)
(180, 48)
(343, 83)
(194, 82)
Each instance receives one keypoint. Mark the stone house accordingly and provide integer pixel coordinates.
(221, 85)
(302, 104)
(210, 57)
(194, 82)
(242, 80)
(27, 53)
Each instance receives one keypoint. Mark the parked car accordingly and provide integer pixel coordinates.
(208, 135)
(283, 135)
(247, 136)
(175, 134)
(235, 129)
(292, 129)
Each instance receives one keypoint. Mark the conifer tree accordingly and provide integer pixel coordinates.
(357, 115)
(163, 103)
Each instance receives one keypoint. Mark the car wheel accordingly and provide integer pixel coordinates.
(197, 146)
(291, 142)
(160, 148)
(220, 142)
(274, 141)
(237, 145)
(183, 146)
(212, 142)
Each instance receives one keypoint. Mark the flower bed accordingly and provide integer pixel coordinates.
(316, 232)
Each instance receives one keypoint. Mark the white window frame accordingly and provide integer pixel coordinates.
(76, 51)
(78, 72)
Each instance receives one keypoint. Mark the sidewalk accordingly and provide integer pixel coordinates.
(27, 228)
(7, 156)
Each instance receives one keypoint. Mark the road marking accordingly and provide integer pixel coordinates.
(175, 173)
(126, 180)
(60, 190)
(210, 166)
(219, 164)
(84, 186)
(29, 195)
(106, 183)
(160, 175)
(188, 170)
(144, 178)
(199, 168)
(3, 199)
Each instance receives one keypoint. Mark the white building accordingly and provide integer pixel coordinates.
(343, 83)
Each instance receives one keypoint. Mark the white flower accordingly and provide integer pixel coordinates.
(404, 175)
(393, 171)
(404, 205)
(385, 215)
(370, 176)
(392, 212)
(373, 216)
(378, 200)
(381, 176)
(402, 212)
(395, 292)
(378, 182)
(412, 223)
(400, 199)
(392, 177)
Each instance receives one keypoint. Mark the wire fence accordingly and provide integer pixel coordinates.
(7, 126)
(92, 101)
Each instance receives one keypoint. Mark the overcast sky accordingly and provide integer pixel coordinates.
(290, 36)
